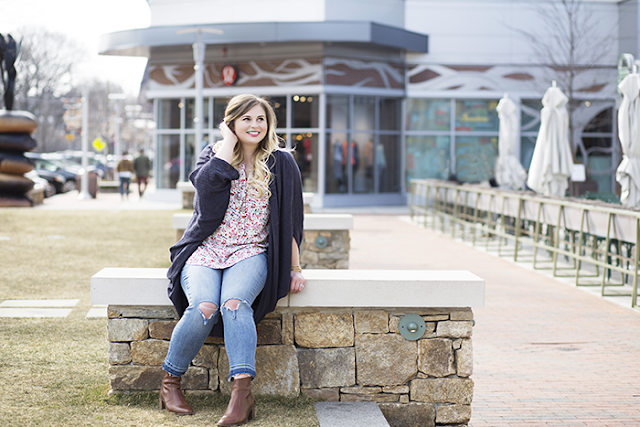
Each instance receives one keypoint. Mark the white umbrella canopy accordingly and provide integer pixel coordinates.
(552, 161)
(509, 171)
(628, 173)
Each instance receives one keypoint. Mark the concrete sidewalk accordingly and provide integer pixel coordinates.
(153, 199)
(546, 353)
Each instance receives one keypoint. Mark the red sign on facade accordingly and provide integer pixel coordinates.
(229, 75)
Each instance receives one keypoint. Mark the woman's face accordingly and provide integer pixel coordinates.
(251, 127)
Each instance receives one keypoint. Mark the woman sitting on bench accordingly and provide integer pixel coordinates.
(239, 254)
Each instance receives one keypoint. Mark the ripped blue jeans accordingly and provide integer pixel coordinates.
(206, 289)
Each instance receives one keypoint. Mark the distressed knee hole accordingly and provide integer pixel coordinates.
(232, 304)
(208, 309)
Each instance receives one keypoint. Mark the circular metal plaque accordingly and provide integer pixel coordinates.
(412, 327)
(321, 242)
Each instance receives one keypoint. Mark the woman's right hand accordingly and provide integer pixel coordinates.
(228, 144)
(228, 135)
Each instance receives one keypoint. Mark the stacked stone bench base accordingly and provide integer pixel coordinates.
(330, 350)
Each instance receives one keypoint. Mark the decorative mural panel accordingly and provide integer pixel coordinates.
(289, 72)
(435, 77)
(356, 73)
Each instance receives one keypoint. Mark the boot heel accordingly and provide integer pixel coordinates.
(162, 405)
(251, 414)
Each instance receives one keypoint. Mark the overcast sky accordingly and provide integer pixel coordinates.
(85, 21)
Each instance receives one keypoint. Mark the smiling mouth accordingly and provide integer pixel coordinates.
(254, 133)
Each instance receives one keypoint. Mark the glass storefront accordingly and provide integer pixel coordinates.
(362, 149)
(428, 157)
(176, 134)
(442, 145)
(366, 153)
(168, 160)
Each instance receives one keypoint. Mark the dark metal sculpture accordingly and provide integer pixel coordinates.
(10, 56)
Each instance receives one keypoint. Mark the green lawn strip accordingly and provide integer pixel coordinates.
(55, 371)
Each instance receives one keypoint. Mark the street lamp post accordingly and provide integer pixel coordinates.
(116, 97)
(84, 185)
(198, 59)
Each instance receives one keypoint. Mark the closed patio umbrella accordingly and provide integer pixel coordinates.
(552, 161)
(628, 173)
(509, 171)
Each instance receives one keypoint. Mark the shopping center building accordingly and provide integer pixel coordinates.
(373, 93)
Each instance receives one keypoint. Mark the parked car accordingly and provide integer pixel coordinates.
(73, 160)
(49, 188)
(55, 182)
(55, 166)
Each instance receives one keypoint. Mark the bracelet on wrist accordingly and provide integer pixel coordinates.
(296, 268)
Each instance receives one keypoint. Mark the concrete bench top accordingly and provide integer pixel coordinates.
(325, 288)
(311, 221)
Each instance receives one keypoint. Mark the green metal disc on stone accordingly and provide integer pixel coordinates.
(412, 327)
(321, 242)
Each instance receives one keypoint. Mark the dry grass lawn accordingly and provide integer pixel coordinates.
(54, 371)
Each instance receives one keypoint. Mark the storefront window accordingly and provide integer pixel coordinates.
(429, 114)
(337, 158)
(428, 157)
(279, 104)
(305, 152)
(364, 113)
(169, 114)
(362, 161)
(387, 164)
(191, 152)
(527, 144)
(475, 158)
(389, 114)
(219, 105)
(337, 112)
(304, 111)
(190, 113)
(169, 161)
(476, 115)
(530, 115)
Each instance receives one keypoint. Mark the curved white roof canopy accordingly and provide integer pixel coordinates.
(140, 42)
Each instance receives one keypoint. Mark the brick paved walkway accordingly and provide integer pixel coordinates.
(546, 353)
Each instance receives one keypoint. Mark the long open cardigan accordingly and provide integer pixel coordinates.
(212, 180)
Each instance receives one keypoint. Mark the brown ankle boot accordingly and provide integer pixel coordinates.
(241, 405)
(171, 396)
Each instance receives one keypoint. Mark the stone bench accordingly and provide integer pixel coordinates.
(339, 340)
(187, 190)
(109, 186)
(326, 240)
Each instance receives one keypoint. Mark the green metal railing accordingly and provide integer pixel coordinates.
(573, 238)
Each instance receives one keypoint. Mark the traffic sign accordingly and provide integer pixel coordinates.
(99, 144)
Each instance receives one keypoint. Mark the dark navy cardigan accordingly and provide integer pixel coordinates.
(212, 179)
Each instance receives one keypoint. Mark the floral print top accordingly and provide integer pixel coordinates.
(243, 232)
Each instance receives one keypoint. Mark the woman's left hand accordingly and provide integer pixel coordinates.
(297, 282)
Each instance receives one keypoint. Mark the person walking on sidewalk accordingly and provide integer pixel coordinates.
(142, 167)
(240, 253)
(125, 171)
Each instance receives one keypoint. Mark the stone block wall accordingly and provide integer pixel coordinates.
(325, 249)
(330, 354)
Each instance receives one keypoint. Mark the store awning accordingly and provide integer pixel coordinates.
(139, 42)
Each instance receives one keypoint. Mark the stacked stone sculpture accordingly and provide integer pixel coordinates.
(16, 128)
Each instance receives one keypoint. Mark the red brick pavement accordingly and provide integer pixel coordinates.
(546, 353)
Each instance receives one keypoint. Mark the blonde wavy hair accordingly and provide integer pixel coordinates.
(261, 175)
